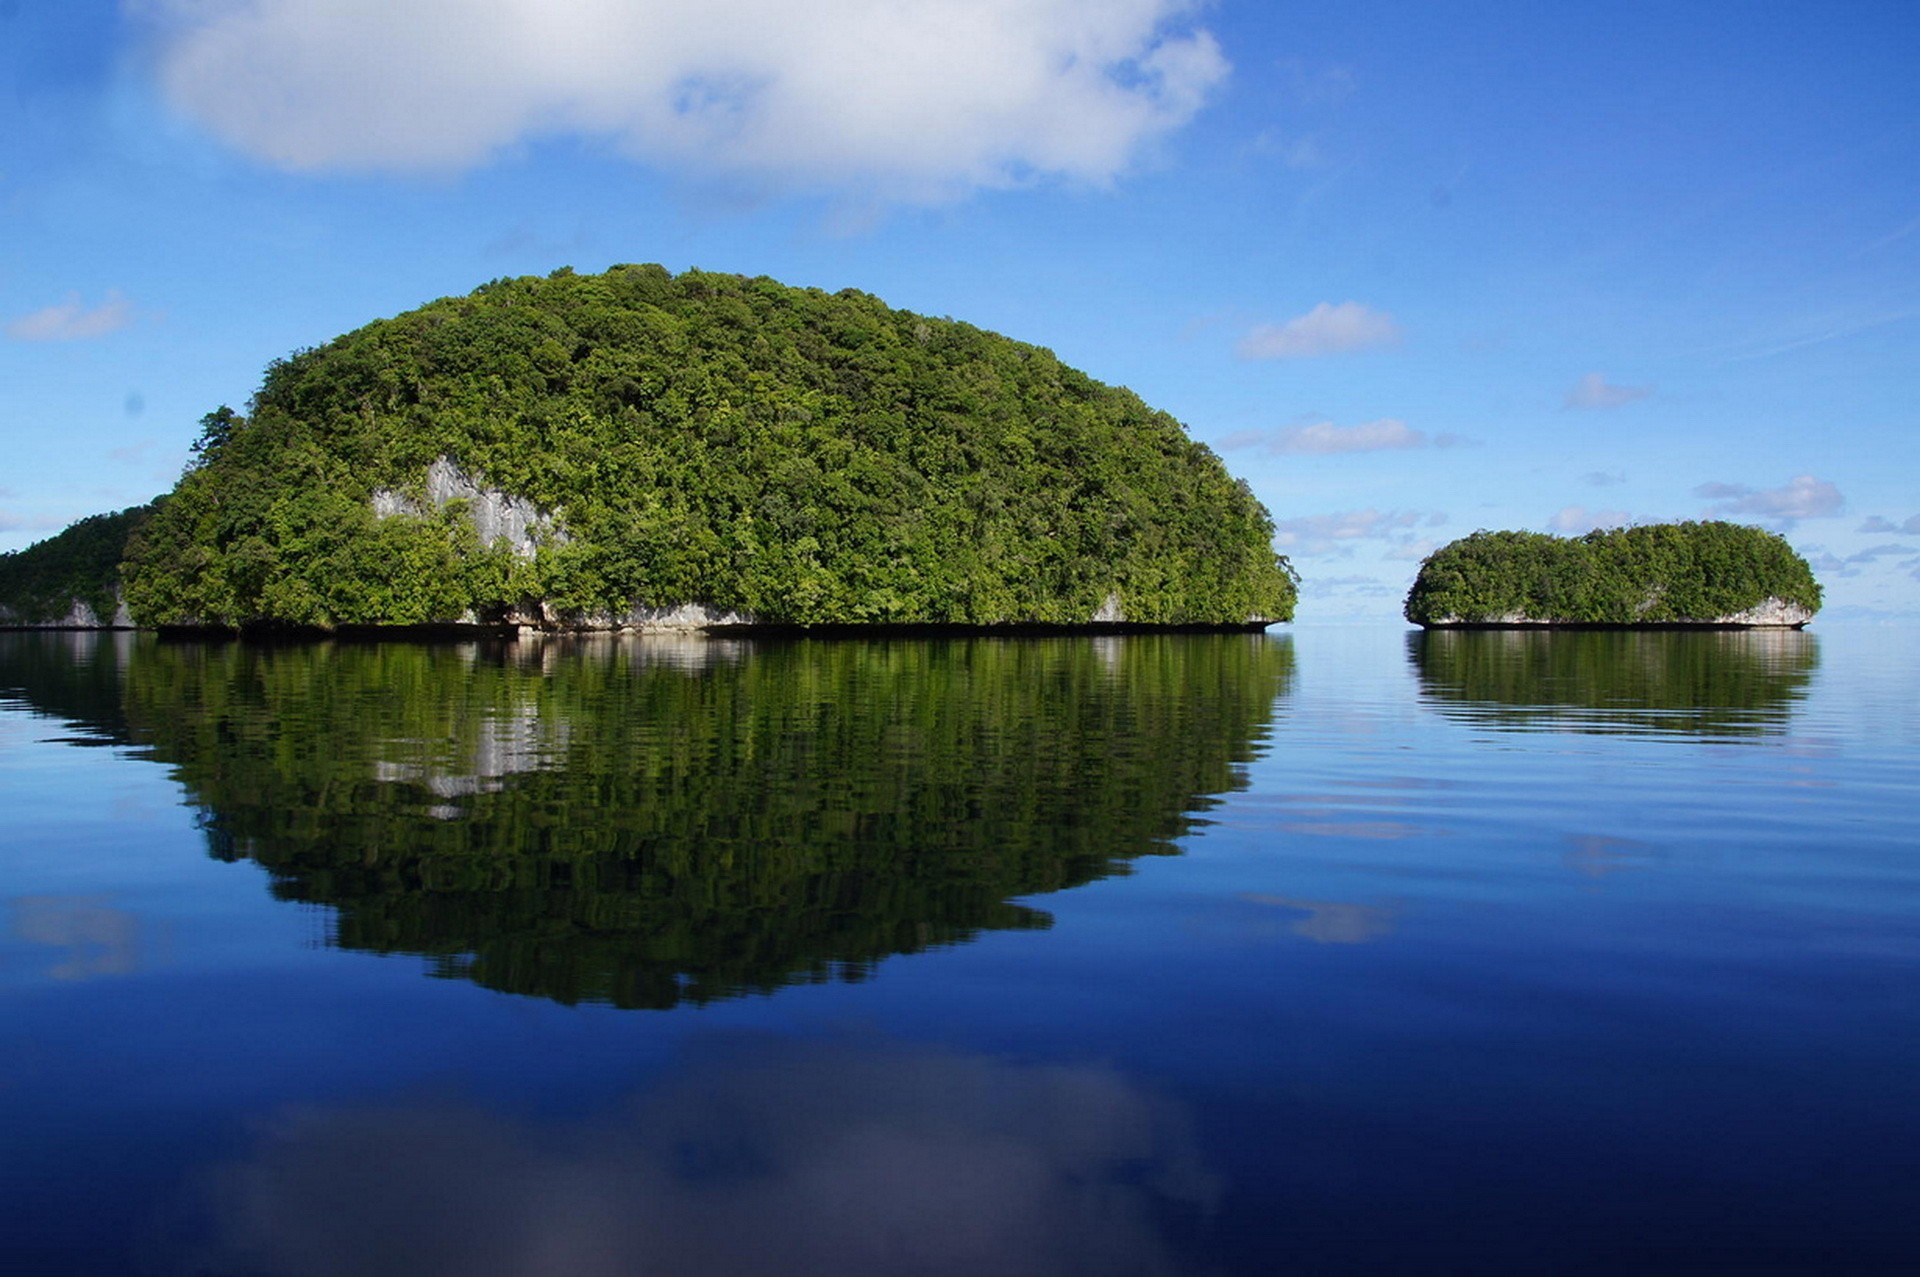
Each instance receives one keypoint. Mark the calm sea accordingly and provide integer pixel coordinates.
(1339, 950)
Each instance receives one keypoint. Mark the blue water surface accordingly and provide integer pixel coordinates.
(1334, 950)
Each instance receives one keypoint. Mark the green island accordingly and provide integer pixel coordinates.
(1707, 574)
(643, 450)
(71, 580)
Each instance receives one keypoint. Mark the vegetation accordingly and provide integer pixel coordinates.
(41, 583)
(1715, 683)
(1660, 574)
(800, 456)
(654, 821)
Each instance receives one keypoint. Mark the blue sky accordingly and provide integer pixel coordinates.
(1412, 269)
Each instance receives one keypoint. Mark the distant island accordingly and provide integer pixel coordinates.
(71, 581)
(643, 450)
(1693, 575)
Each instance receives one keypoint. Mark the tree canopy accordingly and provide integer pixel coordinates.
(42, 583)
(797, 456)
(1657, 574)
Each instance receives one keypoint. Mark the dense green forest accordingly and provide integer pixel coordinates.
(42, 583)
(788, 454)
(649, 821)
(1659, 574)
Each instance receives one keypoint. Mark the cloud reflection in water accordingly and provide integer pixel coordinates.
(755, 1157)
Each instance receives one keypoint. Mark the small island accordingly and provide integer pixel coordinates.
(1707, 575)
(639, 450)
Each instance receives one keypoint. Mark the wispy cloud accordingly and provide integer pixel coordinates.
(1604, 478)
(73, 320)
(1577, 518)
(916, 103)
(1876, 523)
(1891, 238)
(1802, 497)
(1595, 391)
(1321, 534)
(1325, 330)
(1295, 152)
(1318, 586)
(1816, 332)
(1322, 438)
(1827, 563)
(13, 522)
(1326, 85)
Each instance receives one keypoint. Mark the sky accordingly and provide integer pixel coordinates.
(1411, 269)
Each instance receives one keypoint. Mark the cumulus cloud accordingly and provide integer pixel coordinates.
(1320, 534)
(1877, 523)
(759, 1158)
(1802, 497)
(915, 100)
(1595, 391)
(73, 320)
(1324, 330)
(1577, 518)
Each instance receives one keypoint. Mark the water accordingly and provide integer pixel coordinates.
(1340, 950)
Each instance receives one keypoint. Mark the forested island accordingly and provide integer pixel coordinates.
(1668, 574)
(640, 450)
(71, 580)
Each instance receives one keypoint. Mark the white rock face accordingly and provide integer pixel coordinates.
(681, 618)
(79, 616)
(497, 516)
(1768, 614)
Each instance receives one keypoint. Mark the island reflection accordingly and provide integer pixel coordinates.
(1704, 683)
(645, 823)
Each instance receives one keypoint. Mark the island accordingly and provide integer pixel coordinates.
(1701, 575)
(71, 581)
(638, 450)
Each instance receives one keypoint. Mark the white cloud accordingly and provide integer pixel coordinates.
(73, 320)
(1802, 497)
(1595, 391)
(1321, 534)
(914, 100)
(1324, 330)
(1323, 437)
(1577, 518)
(1876, 523)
